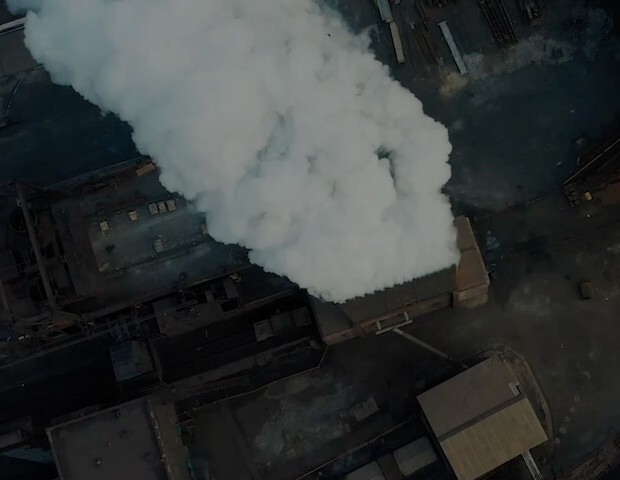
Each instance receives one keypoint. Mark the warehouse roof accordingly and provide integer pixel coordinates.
(481, 419)
(394, 298)
(466, 285)
(136, 440)
(124, 235)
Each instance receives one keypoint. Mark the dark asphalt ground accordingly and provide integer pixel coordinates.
(52, 133)
(539, 255)
(513, 133)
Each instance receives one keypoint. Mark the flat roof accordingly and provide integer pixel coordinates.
(333, 317)
(493, 440)
(79, 255)
(429, 292)
(399, 296)
(125, 236)
(481, 419)
(115, 444)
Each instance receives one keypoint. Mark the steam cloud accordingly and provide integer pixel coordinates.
(275, 121)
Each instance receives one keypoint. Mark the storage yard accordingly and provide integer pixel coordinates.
(133, 344)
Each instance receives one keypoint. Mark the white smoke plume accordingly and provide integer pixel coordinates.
(276, 121)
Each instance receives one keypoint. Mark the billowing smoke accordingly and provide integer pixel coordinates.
(274, 120)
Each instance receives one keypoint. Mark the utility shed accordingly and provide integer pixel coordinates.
(135, 440)
(481, 419)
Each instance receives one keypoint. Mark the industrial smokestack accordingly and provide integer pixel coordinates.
(275, 121)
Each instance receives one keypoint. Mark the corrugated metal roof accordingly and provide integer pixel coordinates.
(385, 10)
(390, 299)
(468, 395)
(494, 440)
(338, 321)
(479, 421)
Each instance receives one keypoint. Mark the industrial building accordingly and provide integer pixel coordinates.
(482, 419)
(117, 261)
(129, 336)
(477, 421)
(464, 286)
(138, 439)
(114, 276)
(80, 259)
(402, 463)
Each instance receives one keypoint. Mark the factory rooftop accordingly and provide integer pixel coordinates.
(78, 254)
(135, 440)
(464, 285)
(126, 236)
(481, 419)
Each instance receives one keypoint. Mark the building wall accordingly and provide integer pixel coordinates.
(169, 438)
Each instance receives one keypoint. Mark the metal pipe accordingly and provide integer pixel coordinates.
(12, 26)
(422, 344)
(428, 347)
(47, 286)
